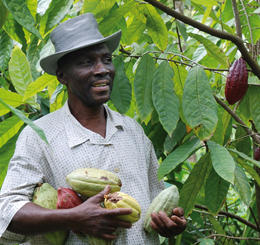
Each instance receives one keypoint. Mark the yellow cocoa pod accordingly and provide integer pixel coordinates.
(123, 200)
(90, 181)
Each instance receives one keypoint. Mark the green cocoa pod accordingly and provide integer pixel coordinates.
(98, 241)
(123, 200)
(90, 181)
(46, 196)
(166, 201)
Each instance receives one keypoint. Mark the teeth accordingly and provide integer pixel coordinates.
(100, 85)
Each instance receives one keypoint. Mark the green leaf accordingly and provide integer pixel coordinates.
(212, 49)
(207, 3)
(18, 113)
(15, 30)
(224, 120)
(32, 6)
(22, 15)
(110, 20)
(223, 163)
(38, 85)
(33, 56)
(5, 50)
(182, 28)
(179, 155)
(11, 98)
(54, 14)
(9, 128)
(177, 136)
(135, 29)
(249, 169)
(122, 92)
(199, 105)
(6, 152)
(242, 141)
(254, 101)
(206, 241)
(164, 98)
(99, 8)
(3, 14)
(216, 190)
(245, 157)
(143, 86)
(19, 70)
(156, 27)
(194, 183)
(242, 185)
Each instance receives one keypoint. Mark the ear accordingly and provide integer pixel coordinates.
(60, 76)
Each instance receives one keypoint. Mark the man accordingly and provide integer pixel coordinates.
(83, 133)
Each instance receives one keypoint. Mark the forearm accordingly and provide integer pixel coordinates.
(33, 219)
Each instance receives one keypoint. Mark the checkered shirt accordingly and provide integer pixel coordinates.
(125, 151)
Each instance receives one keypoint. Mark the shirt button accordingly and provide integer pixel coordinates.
(116, 170)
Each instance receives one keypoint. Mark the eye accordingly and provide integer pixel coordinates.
(108, 59)
(85, 61)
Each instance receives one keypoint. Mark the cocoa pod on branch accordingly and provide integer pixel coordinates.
(237, 82)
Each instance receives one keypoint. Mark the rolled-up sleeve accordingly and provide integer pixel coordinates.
(24, 172)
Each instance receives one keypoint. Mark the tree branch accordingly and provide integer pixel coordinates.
(220, 34)
(236, 117)
(233, 216)
(237, 19)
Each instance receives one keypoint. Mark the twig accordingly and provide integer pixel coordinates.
(253, 215)
(249, 26)
(237, 118)
(230, 215)
(237, 19)
(217, 33)
(230, 237)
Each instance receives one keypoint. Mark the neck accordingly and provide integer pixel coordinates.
(92, 118)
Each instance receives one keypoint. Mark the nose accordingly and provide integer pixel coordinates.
(101, 68)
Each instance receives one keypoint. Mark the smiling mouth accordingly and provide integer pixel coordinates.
(100, 84)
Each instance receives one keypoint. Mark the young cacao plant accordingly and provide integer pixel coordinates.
(237, 82)
(90, 181)
(123, 200)
(165, 201)
(46, 196)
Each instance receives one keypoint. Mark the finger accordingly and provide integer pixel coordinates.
(156, 220)
(119, 211)
(100, 196)
(109, 236)
(179, 221)
(166, 221)
(156, 227)
(178, 211)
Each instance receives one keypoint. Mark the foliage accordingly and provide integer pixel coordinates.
(171, 78)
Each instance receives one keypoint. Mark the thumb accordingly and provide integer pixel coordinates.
(100, 196)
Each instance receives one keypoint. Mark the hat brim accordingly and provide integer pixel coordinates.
(49, 63)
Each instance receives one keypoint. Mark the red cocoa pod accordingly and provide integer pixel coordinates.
(237, 82)
(257, 154)
(67, 198)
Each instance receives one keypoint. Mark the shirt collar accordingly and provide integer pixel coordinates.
(77, 134)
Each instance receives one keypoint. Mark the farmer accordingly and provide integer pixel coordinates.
(84, 133)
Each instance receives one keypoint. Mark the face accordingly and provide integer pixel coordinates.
(88, 74)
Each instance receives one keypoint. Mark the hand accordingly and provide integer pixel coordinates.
(91, 218)
(169, 226)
